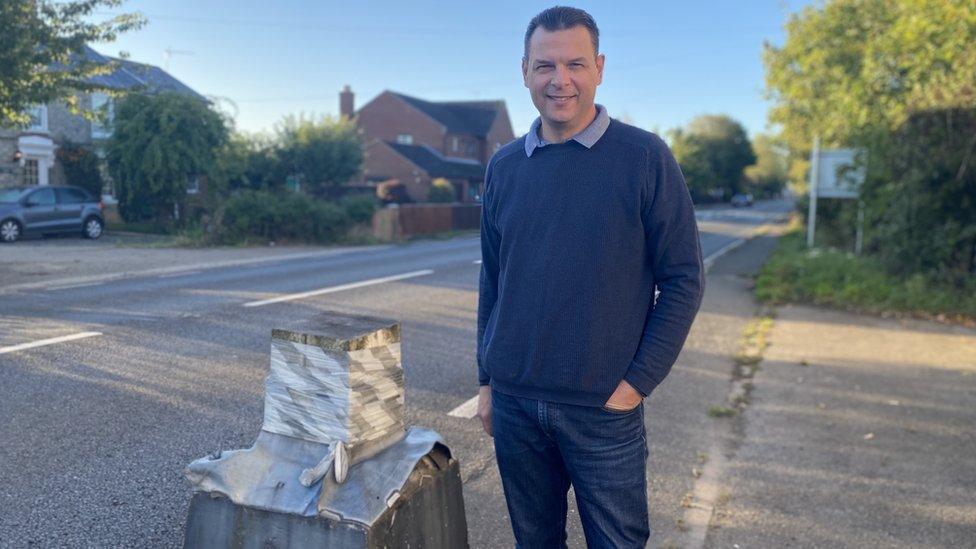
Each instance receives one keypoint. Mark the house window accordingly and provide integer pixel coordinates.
(31, 172)
(405, 139)
(454, 144)
(193, 185)
(472, 148)
(104, 108)
(38, 118)
(497, 146)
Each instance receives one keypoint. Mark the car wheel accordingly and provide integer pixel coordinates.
(93, 228)
(10, 230)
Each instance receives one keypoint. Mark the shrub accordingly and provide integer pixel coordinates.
(441, 190)
(359, 207)
(288, 217)
(81, 169)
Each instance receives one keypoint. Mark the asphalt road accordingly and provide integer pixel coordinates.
(169, 365)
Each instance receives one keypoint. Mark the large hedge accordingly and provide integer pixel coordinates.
(290, 216)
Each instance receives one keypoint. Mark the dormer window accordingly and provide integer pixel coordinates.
(404, 139)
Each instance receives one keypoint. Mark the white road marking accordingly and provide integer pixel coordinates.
(181, 273)
(70, 286)
(50, 341)
(339, 288)
(722, 251)
(467, 410)
(183, 268)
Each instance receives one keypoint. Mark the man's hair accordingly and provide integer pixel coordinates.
(562, 18)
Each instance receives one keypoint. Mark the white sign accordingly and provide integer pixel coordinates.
(838, 176)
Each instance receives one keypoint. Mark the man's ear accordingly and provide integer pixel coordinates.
(600, 59)
(525, 72)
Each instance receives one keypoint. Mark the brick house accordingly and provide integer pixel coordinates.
(27, 156)
(414, 141)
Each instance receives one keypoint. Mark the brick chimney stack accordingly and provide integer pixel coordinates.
(346, 106)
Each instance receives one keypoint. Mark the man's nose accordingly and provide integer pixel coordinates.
(560, 76)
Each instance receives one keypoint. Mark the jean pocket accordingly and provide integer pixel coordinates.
(620, 412)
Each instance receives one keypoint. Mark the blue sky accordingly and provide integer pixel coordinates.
(666, 61)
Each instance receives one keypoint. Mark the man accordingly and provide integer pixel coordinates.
(583, 217)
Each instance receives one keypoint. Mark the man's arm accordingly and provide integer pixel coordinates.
(674, 249)
(488, 280)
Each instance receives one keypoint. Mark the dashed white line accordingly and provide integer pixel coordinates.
(71, 286)
(466, 410)
(181, 273)
(339, 288)
(49, 341)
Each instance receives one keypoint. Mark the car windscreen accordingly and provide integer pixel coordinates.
(11, 195)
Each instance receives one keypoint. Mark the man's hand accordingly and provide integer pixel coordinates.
(625, 397)
(484, 408)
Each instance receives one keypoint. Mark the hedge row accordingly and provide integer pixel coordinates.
(291, 217)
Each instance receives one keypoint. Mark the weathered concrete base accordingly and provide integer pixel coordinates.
(429, 513)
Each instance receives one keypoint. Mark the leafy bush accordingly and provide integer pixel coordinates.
(80, 166)
(838, 279)
(359, 207)
(441, 190)
(288, 217)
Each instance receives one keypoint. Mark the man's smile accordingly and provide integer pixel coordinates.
(560, 99)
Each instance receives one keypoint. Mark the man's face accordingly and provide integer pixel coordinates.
(562, 72)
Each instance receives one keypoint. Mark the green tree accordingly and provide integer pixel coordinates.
(713, 151)
(769, 174)
(324, 153)
(853, 67)
(40, 46)
(158, 144)
(252, 162)
(896, 78)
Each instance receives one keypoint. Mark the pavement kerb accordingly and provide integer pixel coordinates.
(709, 489)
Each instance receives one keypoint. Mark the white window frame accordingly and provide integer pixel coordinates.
(41, 113)
(193, 185)
(454, 144)
(404, 139)
(100, 129)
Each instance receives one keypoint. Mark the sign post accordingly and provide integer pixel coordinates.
(834, 173)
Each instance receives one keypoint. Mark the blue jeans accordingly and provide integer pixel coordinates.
(543, 447)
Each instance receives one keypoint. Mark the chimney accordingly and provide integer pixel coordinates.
(346, 108)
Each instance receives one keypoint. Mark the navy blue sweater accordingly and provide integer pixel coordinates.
(573, 243)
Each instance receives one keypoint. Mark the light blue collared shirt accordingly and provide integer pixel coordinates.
(587, 137)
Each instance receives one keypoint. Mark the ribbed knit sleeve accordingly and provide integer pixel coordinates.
(674, 249)
(488, 280)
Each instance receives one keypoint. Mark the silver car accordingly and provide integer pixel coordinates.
(47, 210)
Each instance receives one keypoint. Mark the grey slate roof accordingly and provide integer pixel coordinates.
(462, 117)
(438, 165)
(130, 75)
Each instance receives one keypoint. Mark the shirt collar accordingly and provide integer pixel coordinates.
(587, 137)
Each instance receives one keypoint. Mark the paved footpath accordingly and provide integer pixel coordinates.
(861, 432)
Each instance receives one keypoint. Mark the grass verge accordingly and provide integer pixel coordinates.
(795, 274)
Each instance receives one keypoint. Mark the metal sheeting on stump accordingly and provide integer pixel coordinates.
(333, 463)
